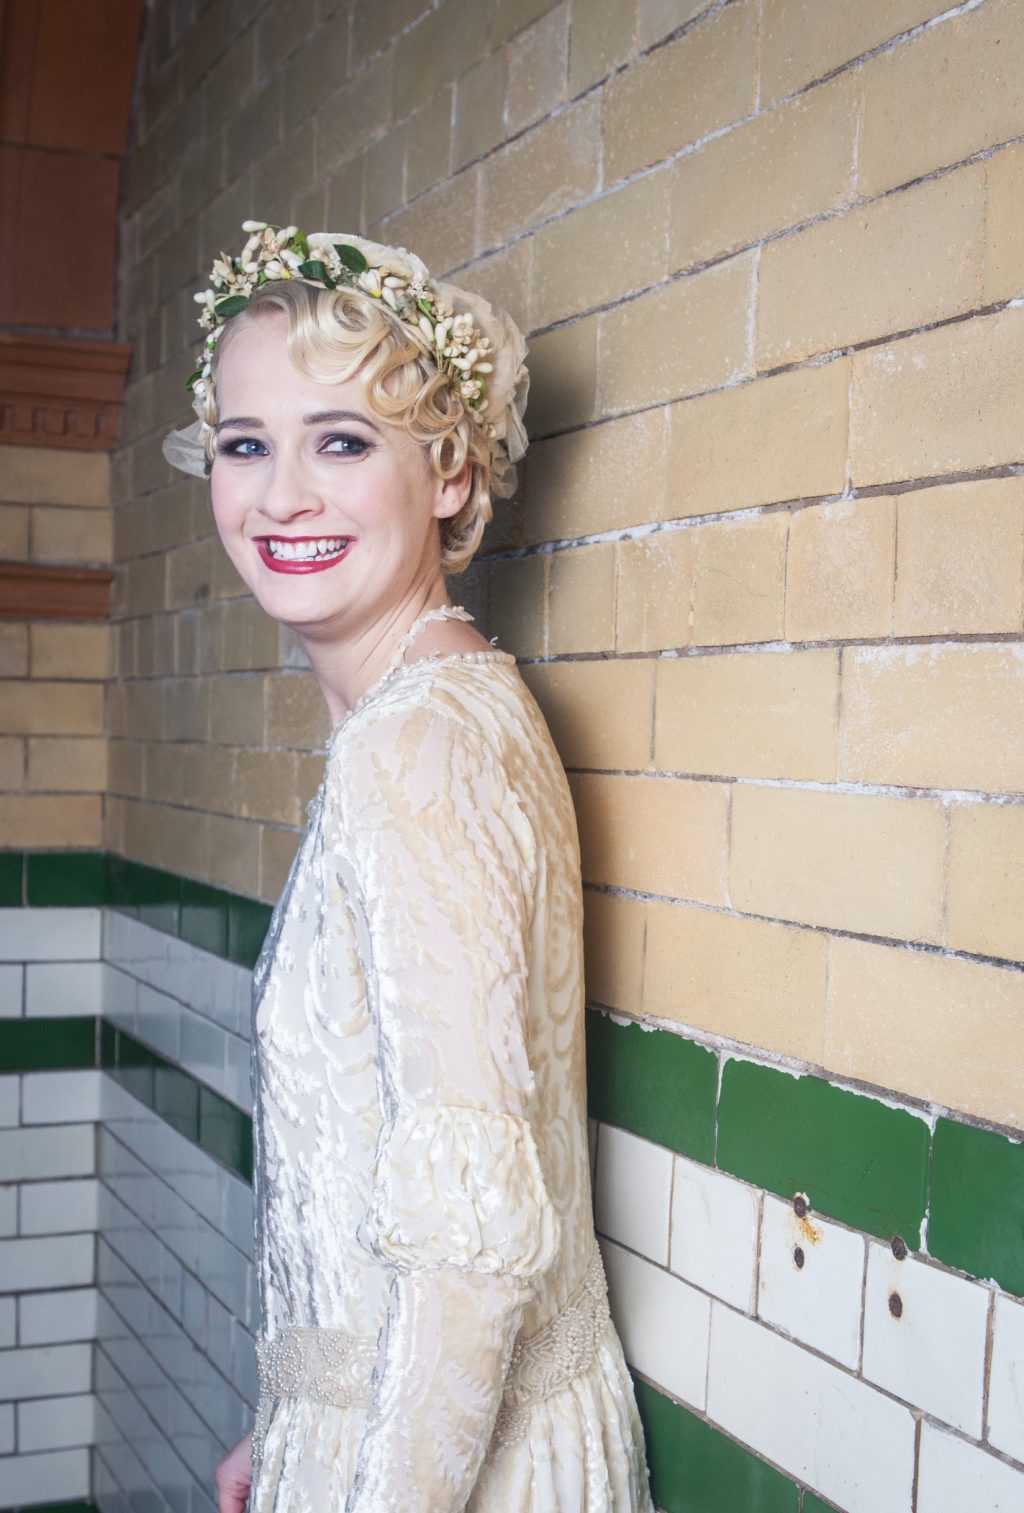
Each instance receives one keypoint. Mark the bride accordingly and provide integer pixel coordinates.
(435, 1332)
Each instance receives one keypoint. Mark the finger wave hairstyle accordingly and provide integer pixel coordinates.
(335, 333)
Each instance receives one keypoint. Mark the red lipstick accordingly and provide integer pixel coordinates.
(294, 561)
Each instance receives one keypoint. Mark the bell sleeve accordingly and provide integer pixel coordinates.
(441, 860)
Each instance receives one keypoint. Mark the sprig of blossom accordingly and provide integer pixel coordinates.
(274, 253)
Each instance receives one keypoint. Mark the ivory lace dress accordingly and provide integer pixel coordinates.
(436, 1333)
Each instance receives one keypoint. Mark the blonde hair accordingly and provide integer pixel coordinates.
(332, 334)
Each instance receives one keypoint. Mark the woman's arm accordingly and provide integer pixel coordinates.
(443, 864)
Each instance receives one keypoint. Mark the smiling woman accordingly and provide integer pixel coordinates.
(435, 1325)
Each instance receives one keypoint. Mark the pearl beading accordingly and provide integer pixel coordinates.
(334, 1366)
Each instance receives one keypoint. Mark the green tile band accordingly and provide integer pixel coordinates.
(695, 1467)
(53, 1507)
(61, 1043)
(859, 1160)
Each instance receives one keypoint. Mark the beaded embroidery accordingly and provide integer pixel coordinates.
(334, 1366)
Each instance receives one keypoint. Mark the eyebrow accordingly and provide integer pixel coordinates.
(318, 418)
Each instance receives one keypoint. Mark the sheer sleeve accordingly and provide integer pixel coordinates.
(442, 864)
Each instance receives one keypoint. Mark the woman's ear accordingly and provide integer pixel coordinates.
(452, 493)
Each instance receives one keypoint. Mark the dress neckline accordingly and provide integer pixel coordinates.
(397, 664)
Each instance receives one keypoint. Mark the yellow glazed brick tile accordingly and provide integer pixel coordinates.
(517, 598)
(296, 714)
(442, 224)
(950, 92)
(48, 820)
(760, 983)
(504, 279)
(13, 650)
(164, 772)
(375, 23)
(839, 574)
(174, 839)
(124, 768)
(602, 251)
(950, 400)
(479, 109)
(957, 1040)
(781, 168)
(70, 651)
(43, 708)
(428, 144)
(655, 835)
(277, 852)
(67, 766)
(599, 711)
(803, 40)
(986, 880)
(250, 639)
(563, 377)
(1004, 225)
(654, 591)
(12, 764)
(66, 535)
(613, 945)
(445, 43)
(209, 778)
(44, 475)
(581, 604)
(656, 18)
(749, 714)
(597, 479)
(237, 709)
(709, 316)
(548, 170)
(143, 585)
(856, 862)
(14, 520)
(740, 579)
(384, 176)
(232, 857)
(511, 16)
(932, 716)
(905, 261)
(600, 38)
(682, 92)
(960, 567)
(537, 66)
(266, 786)
(773, 440)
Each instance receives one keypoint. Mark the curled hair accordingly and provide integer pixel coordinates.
(335, 333)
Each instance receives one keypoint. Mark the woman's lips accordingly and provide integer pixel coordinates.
(317, 564)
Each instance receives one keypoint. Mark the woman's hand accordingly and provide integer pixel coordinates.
(234, 1477)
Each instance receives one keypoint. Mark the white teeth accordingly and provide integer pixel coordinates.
(305, 551)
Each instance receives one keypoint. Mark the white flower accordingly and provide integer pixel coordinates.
(426, 328)
(254, 225)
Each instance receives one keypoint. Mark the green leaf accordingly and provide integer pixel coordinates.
(351, 258)
(233, 305)
(426, 306)
(299, 243)
(316, 269)
(195, 377)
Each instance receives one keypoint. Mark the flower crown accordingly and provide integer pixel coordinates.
(272, 253)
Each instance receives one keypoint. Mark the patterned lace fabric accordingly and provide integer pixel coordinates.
(334, 1366)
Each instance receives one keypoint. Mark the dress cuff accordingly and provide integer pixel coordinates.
(463, 1187)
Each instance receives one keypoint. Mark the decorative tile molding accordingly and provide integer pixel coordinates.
(60, 393)
(35, 591)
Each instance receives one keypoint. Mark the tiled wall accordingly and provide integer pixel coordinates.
(820, 1293)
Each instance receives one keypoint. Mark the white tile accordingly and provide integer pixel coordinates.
(10, 1104)
(8, 1321)
(821, 1425)
(714, 1232)
(55, 1261)
(933, 1354)
(237, 1086)
(202, 1049)
(238, 1214)
(818, 1301)
(662, 1322)
(955, 1477)
(51, 1318)
(52, 1208)
(1006, 1382)
(12, 991)
(56, 1150)
(61, 1097)
(9, 1210)
(631, 1196)
(44, 1371)
(157, 1019)
(49, 934)
(56, 1474)
(6, 1428)
(119, 994)
(55, 1423)
(64, 988)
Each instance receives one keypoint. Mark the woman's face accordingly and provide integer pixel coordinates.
(328, 513)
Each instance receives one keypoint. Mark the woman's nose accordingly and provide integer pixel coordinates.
(289, 491)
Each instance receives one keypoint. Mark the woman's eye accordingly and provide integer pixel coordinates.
(346, 445)
(240, 447)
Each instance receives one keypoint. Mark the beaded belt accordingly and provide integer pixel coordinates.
(334, 1366)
